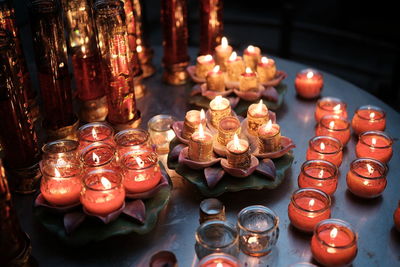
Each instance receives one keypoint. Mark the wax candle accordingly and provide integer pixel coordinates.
(193, 119)
(201, 145)
(334, 243)
(367, 177)
(368, 118)
(131, 140)
(220, 107)
(215, 80)
(319, 174)
(228, 127)
(102, 192)
(396, 217)
(222, 53)
(308, 207)
(99, 155)
(219, 260)
(251, 56)
(141, 171)
(238, 153)
(248, 80)
(326, 148)
(269, 136)
(204, 65)
(234, 67)
(335, 126)
(309, 83)
(257, 115)
(376, 145)
(330, 106)
(266, 69)
(95, 132)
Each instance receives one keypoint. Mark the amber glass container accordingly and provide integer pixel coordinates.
(211, 25)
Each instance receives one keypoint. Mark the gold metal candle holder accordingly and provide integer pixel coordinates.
(251, 56)
(215, 80)
(201, 146)
(234, 67)
(93, 110)
(248, 80)
(204, 65)
(238, 158)
(269, 142)
(191, 123)
(256, 118)
(219, 108)
(228, 127)
(176, 74)
(266, 69)
(222, 53)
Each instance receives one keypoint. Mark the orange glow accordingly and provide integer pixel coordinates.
(233, 56)
(264, 60)
(310, 74)
(201, 131)
(202, 115)
(57, 173)
(139, 49)
(208, 58)
(106, 183)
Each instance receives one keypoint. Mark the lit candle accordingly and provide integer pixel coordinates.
(228, 127)
(330, 106)
(308, 207)
(238, 153)
(251, 56)
(204, 65)
(335, 126)
(222, 53)
(248, 80)
(334, 243)
(99, 155)
(102, 192)
(266, 69)
(220, 107)
(234, 67)
(375, 145)
(269, 136)
(201, 145)
(309, 83)
(368, 118)
(131, 139)
(193, 119)
(219, 260)
(396, 217)
(367, 177)
(326, 148)
(95, 132)
(319, 174)
(215, 80)
(257, 115)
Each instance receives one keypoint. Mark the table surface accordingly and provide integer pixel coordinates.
(378, 245)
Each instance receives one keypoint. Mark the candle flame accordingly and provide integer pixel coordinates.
(95, 158)
(251, 49)
(268, 126)
(219, 265)
(332, 125)
(373, 141)
(372, 115)
(56, 173)
(321, 174)
(216, 69)
(311, 203)
(106, 183)
(252, 240)
(248, 70)
(322, 146)
(139, 49)
(233, 56)
(224, 42)
(94, 133)
(310, 74)
(260, 105)
(140, 162)
(337, 107)
(83, 49)
(333, 233)
(236, 143)
(208, 57)
(201, 131)
(218, 100)
(264, 60)
(370, 169)
(202, 115)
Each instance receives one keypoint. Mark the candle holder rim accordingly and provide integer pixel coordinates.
(43, 6)
(307, 189)
(271, 136)
(95, 145)
(335, 222)
(307, 70)
(208, 201)
(377, 162)
(303, 264)
(88, 174)
(380, 133)
(128, 154)
(218, 255)
(330, 164)
(200, 240)
(203, 56)
(118, 136)
(228, 146)
(250, 109)
(259, 208)
(331, 99)
(94, 125)
(311, 144)
(108, 7)
(154, 119)
(322, 124)
(74, 146)
(231, 118)
(222, 99)
(71, 165)
(369, 107)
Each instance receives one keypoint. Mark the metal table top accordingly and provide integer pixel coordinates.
(379, 243)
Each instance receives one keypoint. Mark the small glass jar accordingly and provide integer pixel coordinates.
(61, 152)
(325, 148)
(258, 230)
(216, 236)
(368, 118)
(219, 260)
(330, 106)
(95, 132)
(99, 155)
(161, 133)
(319, 174)
(131, 140)
(309, 83)
(376, 145)
(211, 209)
(335, 126)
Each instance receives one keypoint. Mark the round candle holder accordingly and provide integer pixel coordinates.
(367, 177)
(319, 174)
(368, 118)
(215, 80)
(257, 115)
(219, 259)
(234, 67)
(307, 207)
(220, 108)
(330, 106)
(335, 126)
(325, 148)
(95, 132)
(215, 237)
(266, 70)
(258, 230)
(60, 152)
(228, 127)
(309, 83)
(130, 140)
(191, 123)
(211, 209)
(376, 145)
(99, 155)
(238, 158)
(334, 243)
(204, 64)
(201, 146)
(251, 56)
(396, 217)
(161, 133)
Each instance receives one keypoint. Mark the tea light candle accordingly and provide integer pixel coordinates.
(330, 106)
(326, 148)
(319, 174)
(234, 67)
(269, 136)
(220, 107)
(201, 145)
(238, 153)
(219, 260)
(257, 115)
(335, 126)
(367, 177)
(375, 145)
(99, 155)
(215, 80)
(228, 126)
(334, 243)
(309, 83)
(222, 53)
(266, 69)
(204, 65)
(308, 207)
(251, 56)
(396, 217)
(368, 118)
(102, 192)
(193, 119)
(95, 132)
(248, 80)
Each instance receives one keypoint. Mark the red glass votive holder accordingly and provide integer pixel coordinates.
(60, 152)
(375, 145)
(309, 83)
(396, 217)
(307, 207)
(131, 140)
(103, 192)
(367, 177)
(141, 171)
(219, 260)
(368, 118)
(99, 155)
(330, 106)
(335, 126)
(334, 243)
(325, 148)
(319, 174)
(95, 132)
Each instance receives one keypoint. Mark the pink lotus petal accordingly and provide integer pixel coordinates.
(280, 75)
(40, 201)
(267, 168)
(109, 217)
(136, 209)
(213, 175)
(152, 192)
(248, 95)
(177, 127)
(212, 94)
(184, 159)
(174, 154)
(196, 90)
(192, 73)
(272, 116)
(237, 172)
(270, 94)
(286, 145)
(73, 220)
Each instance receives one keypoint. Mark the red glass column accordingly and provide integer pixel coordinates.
(211, 25)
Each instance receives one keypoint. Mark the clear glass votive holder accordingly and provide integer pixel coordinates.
(99, 155)
(95, 132)
(131, 140)
(211, 209)
(61, 152)
(161, 133)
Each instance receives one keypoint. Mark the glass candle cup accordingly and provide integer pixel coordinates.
(216, 236)
(95, 132)
(99, 155)
(330, 106)
(319, 174)
(309, 83)
(335, 126)
(307, 207)
(334, 243)
(211, 209)
(396, 217)
(258, 230)
(61, 152)
(376, 145)
(368, 118)
(141, 171)
(367, 177)
(325, 148)
(219, 260)
(161, 133)
(131, 140)
(103, 192)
